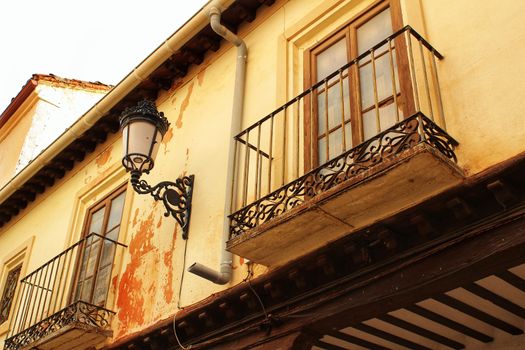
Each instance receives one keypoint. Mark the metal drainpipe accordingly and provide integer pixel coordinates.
(223, 276)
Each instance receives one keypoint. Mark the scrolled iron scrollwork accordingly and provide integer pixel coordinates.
(400, 137)
(176, 197)
(78, 312)
(439, 139)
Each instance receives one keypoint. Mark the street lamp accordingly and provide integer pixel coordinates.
(143, 128)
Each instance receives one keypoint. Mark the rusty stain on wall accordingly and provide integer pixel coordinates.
(104, 157)
(185, 103)
(130, 299)
(135, 217)
(168, 288)
(168, 262)
(166, 139)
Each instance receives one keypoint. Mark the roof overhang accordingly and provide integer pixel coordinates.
(454, 240)
(168, 63)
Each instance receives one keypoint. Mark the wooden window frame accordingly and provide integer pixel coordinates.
(349, 30)
(105, 202)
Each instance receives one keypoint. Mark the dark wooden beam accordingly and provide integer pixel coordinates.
(389, 337)
(43, 179)
(298, 279)
(178, 69)
(298, 340)
(54, 172)
(504, 193)
(33, 186)
(162, 83)
(328, 346)
(421, 331)
(512, 279)
(494, 298)
(25, 194)
(63, 163)
(110, 124)
(192, 56)
(74, 154)
(460, 208)
(456, 326)
(357, 341)
(476, 313)
(152, 343)
(472, 254)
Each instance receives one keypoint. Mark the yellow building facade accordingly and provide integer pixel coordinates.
(366, 188)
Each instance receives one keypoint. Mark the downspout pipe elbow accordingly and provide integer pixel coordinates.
(224, 274)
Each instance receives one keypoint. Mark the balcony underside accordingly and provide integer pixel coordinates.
(395, 183)
(79, 326)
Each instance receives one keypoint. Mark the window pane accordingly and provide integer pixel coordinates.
(383, 80)
(9, 293)
(336, 143)
(93, 252)
(387, 118)
(113, 234)
(115, 214)
(85, 293)
(101, 287)
(372, 32)
(108, 252)
(331, 59)
(97, 219)
(335, 113)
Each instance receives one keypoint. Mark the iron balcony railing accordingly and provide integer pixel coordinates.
(384, 101)
(50, 298)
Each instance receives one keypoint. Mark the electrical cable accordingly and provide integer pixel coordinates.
(247, 279)
(179, 307)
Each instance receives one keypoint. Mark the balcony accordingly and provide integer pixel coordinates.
(54, 310)
(296, 191)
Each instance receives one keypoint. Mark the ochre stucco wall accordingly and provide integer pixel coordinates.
(481, 79)
(482, 76)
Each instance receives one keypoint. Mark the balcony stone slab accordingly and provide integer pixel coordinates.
(397, 183)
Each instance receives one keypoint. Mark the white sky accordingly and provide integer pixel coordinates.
(82, 39)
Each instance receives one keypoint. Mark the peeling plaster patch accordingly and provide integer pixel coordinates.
(168, 262)
(166, 139)
(185, 103)
(200, 76)
(135, 217)
(130, 299)
(168, 288)
(141, 243)
(104, 157)
(114, 282)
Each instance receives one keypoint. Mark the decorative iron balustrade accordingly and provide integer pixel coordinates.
(79, 312)
(404, 135)
(284, 158)
(50, 298)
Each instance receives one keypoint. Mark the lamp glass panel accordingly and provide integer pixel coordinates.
(156, 145)
(141, 134)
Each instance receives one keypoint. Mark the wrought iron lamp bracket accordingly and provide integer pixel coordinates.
(176, 197)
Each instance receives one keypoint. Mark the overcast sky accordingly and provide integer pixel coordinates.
(94, 40)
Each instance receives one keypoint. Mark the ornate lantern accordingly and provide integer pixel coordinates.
(143, 128)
